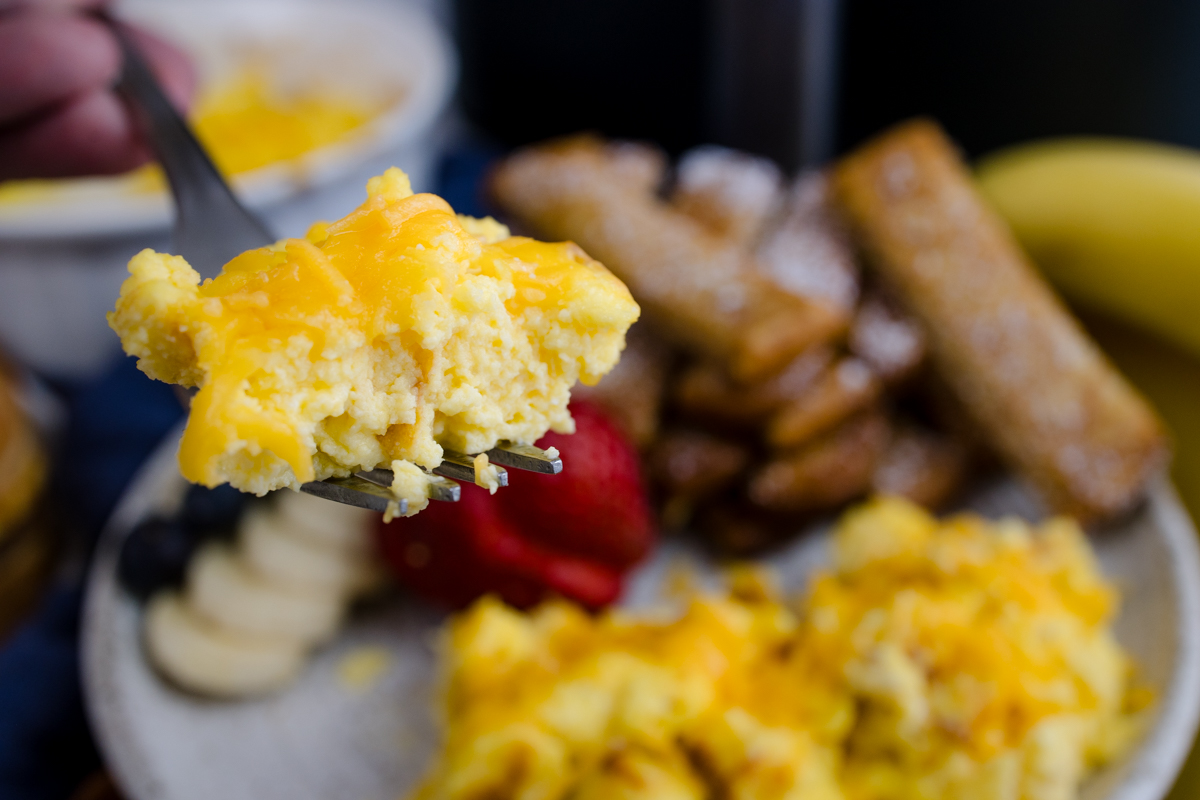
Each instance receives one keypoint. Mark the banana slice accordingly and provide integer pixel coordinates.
(275, 551)
(331, 524)
(201, 657)
(221, 589)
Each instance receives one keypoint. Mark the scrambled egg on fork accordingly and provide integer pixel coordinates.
(962, 659)
(377, 340)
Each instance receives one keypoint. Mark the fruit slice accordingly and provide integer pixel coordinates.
(221, 589)
(201, 657)
(275, 551)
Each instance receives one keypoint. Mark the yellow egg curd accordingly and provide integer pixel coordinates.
(955, 660)
(377, 340)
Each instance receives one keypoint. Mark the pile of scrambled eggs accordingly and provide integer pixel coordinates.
(377, 340)
(962, 659)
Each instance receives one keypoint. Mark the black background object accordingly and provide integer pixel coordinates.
(994, 73)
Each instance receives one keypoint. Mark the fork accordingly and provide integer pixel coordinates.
(212, 227)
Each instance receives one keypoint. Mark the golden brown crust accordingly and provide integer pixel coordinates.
(827, 472)
(704, 391)
(849, 387)
(999, 337)
(700, 289)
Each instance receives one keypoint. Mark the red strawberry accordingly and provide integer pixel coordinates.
(572, 534)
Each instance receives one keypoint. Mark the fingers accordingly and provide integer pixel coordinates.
(58, 114)
(90, 135)
(47, 59)
(7, 6)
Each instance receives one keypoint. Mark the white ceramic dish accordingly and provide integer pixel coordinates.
(320, 739)
(389, 54)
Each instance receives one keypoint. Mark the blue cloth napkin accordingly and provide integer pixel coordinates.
(114, 423)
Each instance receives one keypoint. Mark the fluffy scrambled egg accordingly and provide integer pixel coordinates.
(376, 340)
(962, 659)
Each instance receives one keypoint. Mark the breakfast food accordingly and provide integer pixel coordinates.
(743, 455)
(1051, 403)
(250, 613)
(700, 286)
(378, 340)
(1110, 223)
(920, 665)
(947, 348)
(573, 535)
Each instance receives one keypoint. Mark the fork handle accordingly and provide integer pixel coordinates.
(199, 190)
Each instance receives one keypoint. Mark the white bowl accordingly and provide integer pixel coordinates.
(389, 54)
(320, 739)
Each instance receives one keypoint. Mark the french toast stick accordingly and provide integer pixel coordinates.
(698, 288)
(1050, 402)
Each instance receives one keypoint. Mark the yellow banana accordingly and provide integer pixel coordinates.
(1114, 224)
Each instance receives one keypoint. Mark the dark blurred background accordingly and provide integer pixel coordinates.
(769, 75)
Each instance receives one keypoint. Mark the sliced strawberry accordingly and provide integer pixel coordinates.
(572, 534)
(596, 507)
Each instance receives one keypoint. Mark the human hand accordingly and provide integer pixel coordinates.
(59, 115)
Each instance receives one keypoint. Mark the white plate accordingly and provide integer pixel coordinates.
(321, 740)
(386, 53)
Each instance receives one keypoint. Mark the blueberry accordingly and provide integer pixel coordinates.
(155, 555)
(210, 512)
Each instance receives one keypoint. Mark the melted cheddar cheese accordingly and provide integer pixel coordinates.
(376, 340)
(934, 661)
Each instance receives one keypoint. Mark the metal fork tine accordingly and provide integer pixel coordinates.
(440, 489)
(354, 491)
(379, 477)
(444, 489)
(462, 467)
(526, 457)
